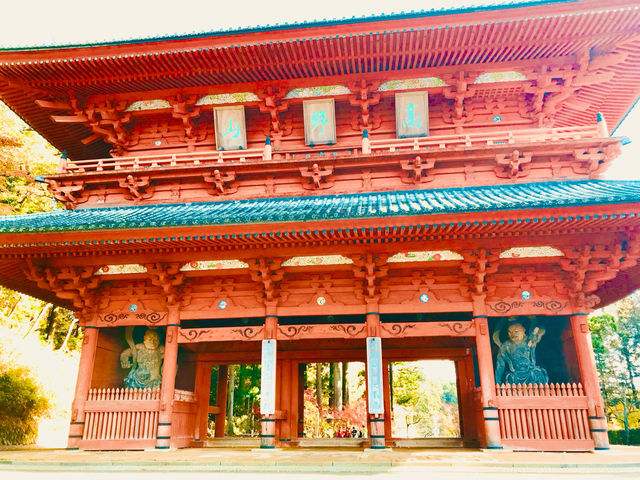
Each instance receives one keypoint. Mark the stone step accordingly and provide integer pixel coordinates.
(251, 442)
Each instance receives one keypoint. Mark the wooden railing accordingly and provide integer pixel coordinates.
(123, 394)
(127, 418)
(367, 147)
(547, 417)
(481, 139)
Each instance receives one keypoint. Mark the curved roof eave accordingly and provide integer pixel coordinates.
(297, 25)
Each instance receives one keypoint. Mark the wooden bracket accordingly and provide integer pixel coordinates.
(364, 99)
(223, 183)
(477, 265)
(593, 161)
(513, 165)
(267, 271)
(137, 187)
(77, 284)
(185, 109)
(71, 193)
(273, 104)
(458, 90)
(168, 277)
(417, 170)
(317, 177)
(593, 265)
(371, 268)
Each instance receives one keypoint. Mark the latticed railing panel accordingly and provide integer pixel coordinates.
(549, 412)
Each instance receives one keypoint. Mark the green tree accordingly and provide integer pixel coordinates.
(616, 345)
(23, 155)
(22, 403)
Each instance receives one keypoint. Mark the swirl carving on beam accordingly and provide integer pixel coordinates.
(248, 332)
(111, 318)
(397, 329)
(457, 327)
(192, 334)
(152, 318)
(551, 305)
(350, 330)
(554, 305)
(292, 331)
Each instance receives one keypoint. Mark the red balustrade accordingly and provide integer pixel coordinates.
(127, 418)
(544, 417)
(368, 147)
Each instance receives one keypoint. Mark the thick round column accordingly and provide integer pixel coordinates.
(590, 382)
(83, 384)
(375, 382)
(203, 391)
(487, 383)
(268, 387)
(167, 388)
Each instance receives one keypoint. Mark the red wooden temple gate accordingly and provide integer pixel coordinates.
(377, 191)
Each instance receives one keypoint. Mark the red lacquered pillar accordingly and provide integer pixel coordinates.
(167, 388)
(203, 392)
(83, 384)
(590, 382)
(492, 438)
(375, 381)
(268, 384)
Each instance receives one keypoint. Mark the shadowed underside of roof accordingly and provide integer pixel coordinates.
(332, 207)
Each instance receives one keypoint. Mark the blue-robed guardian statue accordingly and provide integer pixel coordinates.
(144, 359)
(516, 359)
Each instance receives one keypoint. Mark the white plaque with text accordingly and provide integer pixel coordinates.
(412, 114)
(231, 130)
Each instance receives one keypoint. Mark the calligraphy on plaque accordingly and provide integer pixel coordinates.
(319, 122)
(231, 130)
(268, 378)
(412, 114)
(374, 375)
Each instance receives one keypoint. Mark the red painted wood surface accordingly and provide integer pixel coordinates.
(110, 77)
(121, 419)
(544, 417)
(536, 128)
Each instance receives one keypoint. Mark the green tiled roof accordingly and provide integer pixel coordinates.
(332, 207)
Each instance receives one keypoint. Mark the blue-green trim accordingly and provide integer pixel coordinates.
(419, 203)
(298, 25)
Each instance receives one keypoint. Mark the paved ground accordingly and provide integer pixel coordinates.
(450, 463)
(396, 475)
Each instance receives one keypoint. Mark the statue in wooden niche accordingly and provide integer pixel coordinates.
(144, 359)
(517, 354)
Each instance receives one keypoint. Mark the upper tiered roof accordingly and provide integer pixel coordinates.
(523, 37)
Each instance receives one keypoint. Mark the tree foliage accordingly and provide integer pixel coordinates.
(27, 321)
(23, 155)
(423, 407)
(616, 345)
(22, 404)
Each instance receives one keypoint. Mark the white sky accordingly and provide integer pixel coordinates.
(38, 22)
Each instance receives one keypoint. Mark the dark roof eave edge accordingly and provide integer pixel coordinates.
(293, 26)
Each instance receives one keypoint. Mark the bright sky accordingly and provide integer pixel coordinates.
(38, 22)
